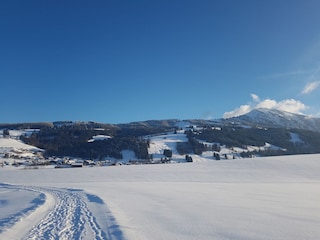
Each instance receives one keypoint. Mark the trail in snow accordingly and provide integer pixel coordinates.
(10, 195)
(71, 217)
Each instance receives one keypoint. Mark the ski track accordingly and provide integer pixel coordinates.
(70, 218)
(14, 218)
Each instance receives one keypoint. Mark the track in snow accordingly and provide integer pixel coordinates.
(72, 217)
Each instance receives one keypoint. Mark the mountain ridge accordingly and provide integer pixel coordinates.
(276, 118)
(260, 117)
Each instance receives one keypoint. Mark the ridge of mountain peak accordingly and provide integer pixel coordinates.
(278, 118)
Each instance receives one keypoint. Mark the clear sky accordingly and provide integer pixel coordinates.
(122, 61)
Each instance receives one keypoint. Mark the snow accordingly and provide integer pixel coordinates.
(13, 143)
(21, 215)
(295, 138)
(99, 138)
(25, 132)
(273, 117)
(18, 149)
(159, 143)
(267, 146)
(260, 198)
(167, 141)
(183, 124)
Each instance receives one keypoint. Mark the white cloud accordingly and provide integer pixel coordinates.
(310, 87)
(288, 105)
(267, 103)
(243, 109)
(255, 97)
(291, 105)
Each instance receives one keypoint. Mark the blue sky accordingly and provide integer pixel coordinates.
(123, 61)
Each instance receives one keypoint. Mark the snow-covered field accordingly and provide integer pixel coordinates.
(260, 198)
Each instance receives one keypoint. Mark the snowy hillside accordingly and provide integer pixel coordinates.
(262, 198)
(10, 143)
(13, 149)
(277, 118)
(159, 143)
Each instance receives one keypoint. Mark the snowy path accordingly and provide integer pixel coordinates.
(70, 216)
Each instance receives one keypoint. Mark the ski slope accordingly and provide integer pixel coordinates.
(10, 143)
(159, 143)
(261, 198)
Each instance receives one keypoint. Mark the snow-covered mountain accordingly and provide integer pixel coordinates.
(276, 118)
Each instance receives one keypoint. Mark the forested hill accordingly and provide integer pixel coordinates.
(93, 140)
(290, 134)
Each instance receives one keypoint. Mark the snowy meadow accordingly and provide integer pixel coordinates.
(261, 198)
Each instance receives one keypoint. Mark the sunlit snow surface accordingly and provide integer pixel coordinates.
(261, 198)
